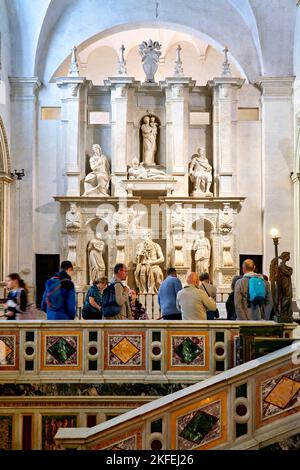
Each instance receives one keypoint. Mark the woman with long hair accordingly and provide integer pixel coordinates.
(17, 296)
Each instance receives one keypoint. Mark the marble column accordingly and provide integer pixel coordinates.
(296, 264)
(177, 131)
(225, 118)
(71, 88)
(119, 116)
(24, 112)
(277, 163)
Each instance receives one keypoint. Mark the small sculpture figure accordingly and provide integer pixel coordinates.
(73, 217)
(201, 174)
(225, 222)
(177, 219)
(122, 70)
(178, 70)
(149, 130)
(202, 255)
(226, 65)
(148, 274)
(95, 256)
(150, 54)
(138, 171)
(96, 182)
(285, 291)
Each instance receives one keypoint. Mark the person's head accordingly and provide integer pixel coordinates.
(99, 235)
(121, 271)
(101, 283)
(146, 119)
(193, 279)
(172, 272)
(135, 163)
(201, 234)
(67, 266)
(285, 256)
(233, 281)
(204, 277)
(14, 281)
(152, 119)
(96, 149)
(133, 295)
(248, 266)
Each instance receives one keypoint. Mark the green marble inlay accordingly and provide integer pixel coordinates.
(199, 427)
(188, 350)
(61, 350)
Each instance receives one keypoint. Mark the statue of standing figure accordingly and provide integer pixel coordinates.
(96, 182)
(202, 255)
(95, 256)
(285, 291)
(149, 130)
(201, 174)
(148, 274)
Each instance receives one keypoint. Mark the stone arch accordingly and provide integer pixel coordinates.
(5, 180)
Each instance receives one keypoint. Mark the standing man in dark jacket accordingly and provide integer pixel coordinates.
(167, 296)
(59, 297)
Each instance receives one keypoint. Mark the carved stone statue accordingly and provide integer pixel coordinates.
(201, 174)
(285, 291)
(149, 130)
(138, 172)
(202, 255)
(227, 257)
(73, 217)
(120, 219)
(148, 274)
(150, 54)
(226, 221)
(96, 182)
(95, 256)
(177, 219)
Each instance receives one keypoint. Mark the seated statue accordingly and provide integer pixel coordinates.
(138, 171)
(148, 274)
(201, 174)
(96, 182)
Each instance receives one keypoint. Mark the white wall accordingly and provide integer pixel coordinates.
(5, 69)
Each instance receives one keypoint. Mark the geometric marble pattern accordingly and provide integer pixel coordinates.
(124, 350)
(5, 432)
(8, 351)
(280, 393)
(50, 425)
(187, 351)
(200, 425)
(61, 351)
(130, 440)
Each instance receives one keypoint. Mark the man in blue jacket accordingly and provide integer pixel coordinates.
(167, 296)
(59, 297)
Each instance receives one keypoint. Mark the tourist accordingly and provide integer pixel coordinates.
(194, 302)
(167, 294)
(17, 297)
(230, 308)
(137, 309)
(115, 300)
(93, 300)
(211, 291)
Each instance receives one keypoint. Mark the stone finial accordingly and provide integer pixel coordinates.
(74, 69)
(122, 69)
(226, 65)
(178, 70)
(150, 53)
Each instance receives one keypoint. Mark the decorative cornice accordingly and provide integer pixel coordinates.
(276, 86)
(219, 81)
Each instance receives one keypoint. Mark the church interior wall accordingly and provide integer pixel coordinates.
(5, 71)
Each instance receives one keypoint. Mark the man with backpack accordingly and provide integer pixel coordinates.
(115, 297)
(59, 300)
(252, 295)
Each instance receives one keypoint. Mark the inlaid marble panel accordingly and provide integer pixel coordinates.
(61, 351)
(278, 393)
(6, 432)
(131, 440)
(124, 350)
(9, 350)
(202, 425)
(188, 350)
(50, 426)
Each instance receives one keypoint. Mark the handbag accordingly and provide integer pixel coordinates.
(211, 314)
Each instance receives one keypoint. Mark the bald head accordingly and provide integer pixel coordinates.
(248, 266)
(193, 279)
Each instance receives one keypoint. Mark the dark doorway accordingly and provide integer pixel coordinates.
(258, 260)
(45, 267)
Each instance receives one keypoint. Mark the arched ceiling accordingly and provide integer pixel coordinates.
(259, 34)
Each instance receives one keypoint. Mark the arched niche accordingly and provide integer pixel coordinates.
(205, 225)
(5, 180)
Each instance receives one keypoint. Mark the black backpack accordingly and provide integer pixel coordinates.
(110, 307)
